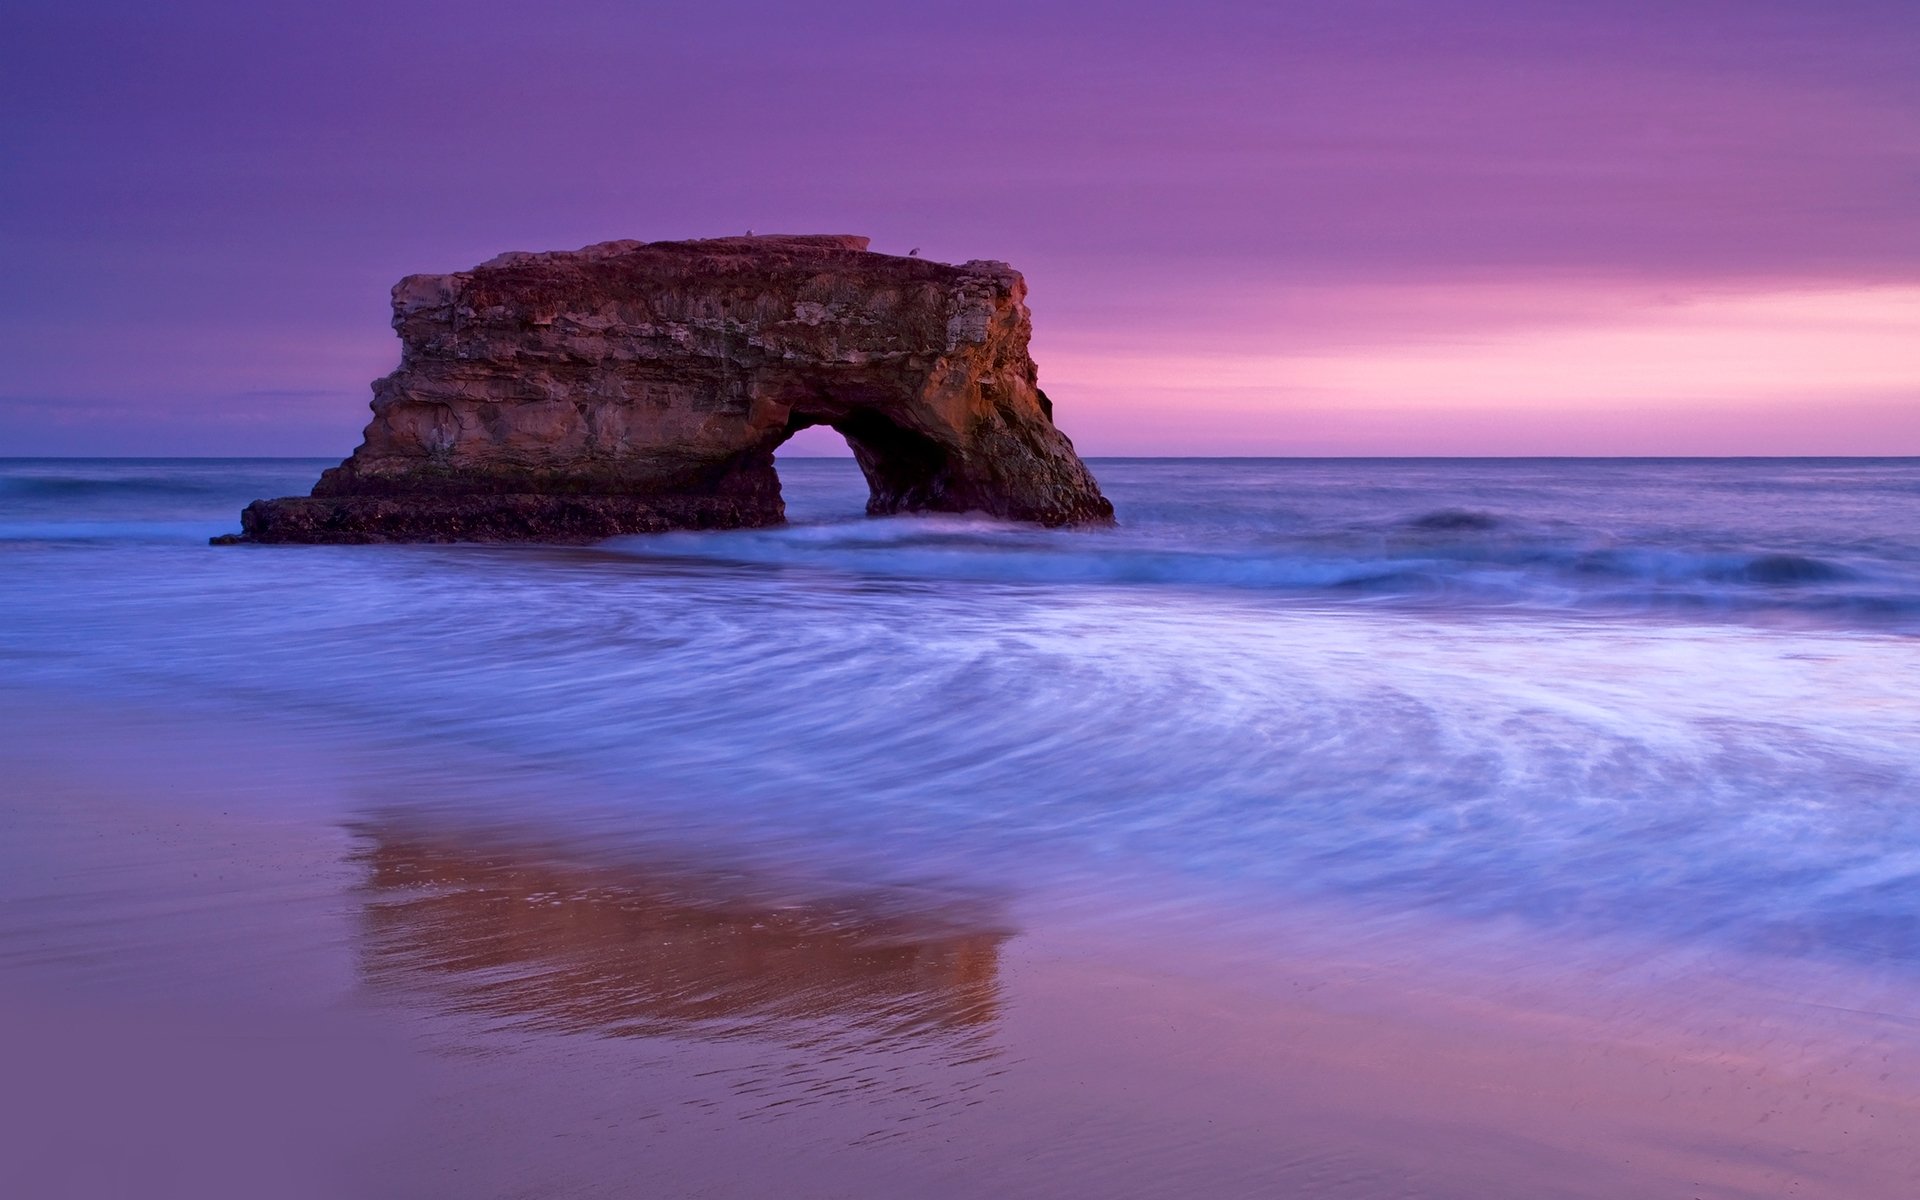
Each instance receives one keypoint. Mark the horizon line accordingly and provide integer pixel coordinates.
(1089, 457)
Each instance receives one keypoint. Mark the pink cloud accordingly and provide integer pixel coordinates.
(1776, 372)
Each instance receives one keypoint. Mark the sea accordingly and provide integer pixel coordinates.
(1647, 718)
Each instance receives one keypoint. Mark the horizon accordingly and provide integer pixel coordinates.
(838, 457)
(1471, 228)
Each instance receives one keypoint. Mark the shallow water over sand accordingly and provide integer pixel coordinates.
(1495, 829)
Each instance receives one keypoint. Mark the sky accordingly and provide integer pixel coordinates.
(1369, 227)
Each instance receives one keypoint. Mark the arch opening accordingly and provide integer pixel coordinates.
(905, 471)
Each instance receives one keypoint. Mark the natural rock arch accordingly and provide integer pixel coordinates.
(905, 471)
(630, 387)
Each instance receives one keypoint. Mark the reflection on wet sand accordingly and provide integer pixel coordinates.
(515, 930)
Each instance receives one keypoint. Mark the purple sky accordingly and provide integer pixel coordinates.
(1365, 227)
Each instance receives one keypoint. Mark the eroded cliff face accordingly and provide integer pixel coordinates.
(630, 387)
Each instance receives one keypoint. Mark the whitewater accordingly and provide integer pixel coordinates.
(1671, 701)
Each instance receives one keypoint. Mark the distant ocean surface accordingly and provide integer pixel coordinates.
(1670, 701)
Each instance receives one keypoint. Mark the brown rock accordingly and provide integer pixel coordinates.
(632, 387)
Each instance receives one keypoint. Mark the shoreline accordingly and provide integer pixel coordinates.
(557, 1023)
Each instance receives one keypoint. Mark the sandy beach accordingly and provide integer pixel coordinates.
(207, 995)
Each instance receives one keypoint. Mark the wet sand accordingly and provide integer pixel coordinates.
(237, 963)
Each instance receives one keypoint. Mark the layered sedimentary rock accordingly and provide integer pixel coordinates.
(631, 387)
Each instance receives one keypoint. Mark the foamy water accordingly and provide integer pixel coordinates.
(1671, 701)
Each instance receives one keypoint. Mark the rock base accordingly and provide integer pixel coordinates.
(508, 518)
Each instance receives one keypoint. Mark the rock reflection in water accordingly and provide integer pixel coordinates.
(513, 930)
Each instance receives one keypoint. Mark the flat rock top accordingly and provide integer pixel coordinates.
(835, 249)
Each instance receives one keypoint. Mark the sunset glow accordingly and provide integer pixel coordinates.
(1474, 226)
(1840, 368)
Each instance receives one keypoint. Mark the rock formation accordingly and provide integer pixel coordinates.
(631, 387)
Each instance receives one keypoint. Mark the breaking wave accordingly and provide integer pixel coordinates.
(1470, 558)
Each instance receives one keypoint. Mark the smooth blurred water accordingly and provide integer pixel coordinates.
(1667, 700)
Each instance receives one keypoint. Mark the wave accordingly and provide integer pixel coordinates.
(84, 487)
(1256, 681)
(136, 500)
(1454, 520)
(1483, 559)
(1831, 544)
(18, 534)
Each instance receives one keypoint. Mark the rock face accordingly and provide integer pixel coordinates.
(631, 387)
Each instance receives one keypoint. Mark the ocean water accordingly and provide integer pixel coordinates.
(1673, 704)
